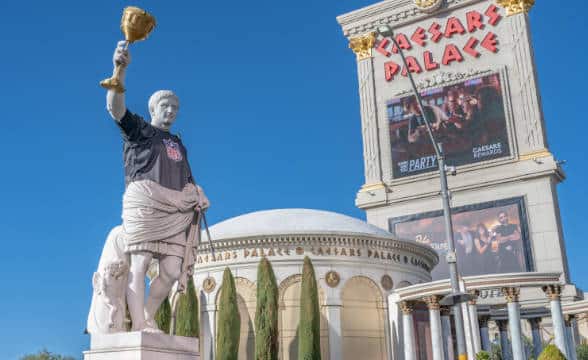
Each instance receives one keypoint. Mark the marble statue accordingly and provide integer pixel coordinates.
(160, 208)
(107, 310)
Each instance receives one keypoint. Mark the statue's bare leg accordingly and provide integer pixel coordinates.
(170, 268)
(136, 288)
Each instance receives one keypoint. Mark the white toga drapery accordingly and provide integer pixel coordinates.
(156, 219)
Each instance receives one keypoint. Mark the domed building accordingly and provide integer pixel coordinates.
(357, 266)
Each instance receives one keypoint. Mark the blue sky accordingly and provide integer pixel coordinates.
(269, 111)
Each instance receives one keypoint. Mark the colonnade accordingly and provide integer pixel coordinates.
(478, 334)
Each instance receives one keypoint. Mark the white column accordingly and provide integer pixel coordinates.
(485, 333)
(569, 320)
(436, 327)
(467, 325)
(537, 339)
(388, 332)
(408, 331)
(514, 322)
(207, 326)
(474, 322)
(334, 317)
(504, 344)
(447, 336)
(559, 329)
(395, 324)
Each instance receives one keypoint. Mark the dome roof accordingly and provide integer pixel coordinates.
(293, 221)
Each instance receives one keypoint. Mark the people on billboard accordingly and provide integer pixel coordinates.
(483, 242)
(508, 238)
(467, 118)
(466, 248)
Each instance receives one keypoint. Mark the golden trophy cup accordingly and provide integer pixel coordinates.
(136, 24)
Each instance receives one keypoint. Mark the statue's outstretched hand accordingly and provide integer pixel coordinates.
(203, 202)
(121, 55)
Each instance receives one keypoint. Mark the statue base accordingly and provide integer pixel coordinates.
(142, 346)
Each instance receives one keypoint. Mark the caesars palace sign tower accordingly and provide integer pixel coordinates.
(473, 62)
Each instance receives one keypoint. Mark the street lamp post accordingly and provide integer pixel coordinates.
(456, 298)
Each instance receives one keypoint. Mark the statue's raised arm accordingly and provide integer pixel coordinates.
(115, 100)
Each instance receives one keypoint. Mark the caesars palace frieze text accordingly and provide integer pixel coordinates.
(370, 254)
(471, 25)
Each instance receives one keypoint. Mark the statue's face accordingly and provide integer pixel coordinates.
(165, 112)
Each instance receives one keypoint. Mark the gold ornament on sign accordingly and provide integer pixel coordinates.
(362, 45)
(514, 7)
(332, 279)
(136, 24)
(428, 5)
(209, 284)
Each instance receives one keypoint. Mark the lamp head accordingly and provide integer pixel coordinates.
(385, 30)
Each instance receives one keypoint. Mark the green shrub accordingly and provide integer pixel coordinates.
(483, 355)
(229, 321)
(187, 312)
(582, 352)
(163, 316)
(496, 352)
(309, 340)
(46, 355)
(551, 352)
(266, 313)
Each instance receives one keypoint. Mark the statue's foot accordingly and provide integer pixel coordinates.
(152, 330)
(149, 326)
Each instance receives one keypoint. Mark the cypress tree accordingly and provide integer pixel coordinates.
(266, 313)
(187, 312)
(163, 316)
(229, 321)
(309, 340)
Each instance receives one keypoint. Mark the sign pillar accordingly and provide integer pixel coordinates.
(362, 47)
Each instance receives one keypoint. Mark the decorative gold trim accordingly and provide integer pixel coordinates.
(511, 294)
(372, 187)
(362, 45)
(406, 307)
(209, 284)
(514, 7)
(553, 292)
(535, 155)
(428, 5)
(433, 302)
(332, 279)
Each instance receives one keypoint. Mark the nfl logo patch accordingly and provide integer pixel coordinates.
(173, 150)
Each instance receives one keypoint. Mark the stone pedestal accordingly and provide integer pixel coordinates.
(142, 346)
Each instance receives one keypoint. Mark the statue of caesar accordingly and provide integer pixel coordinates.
(160, 197)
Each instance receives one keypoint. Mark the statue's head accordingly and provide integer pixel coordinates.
(163, 107)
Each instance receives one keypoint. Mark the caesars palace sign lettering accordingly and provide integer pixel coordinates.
(474, 21)
(373, 254)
